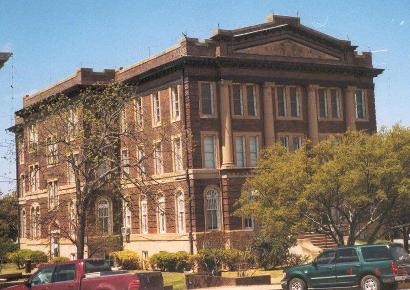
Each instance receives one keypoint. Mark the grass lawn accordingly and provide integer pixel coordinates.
(9, 268)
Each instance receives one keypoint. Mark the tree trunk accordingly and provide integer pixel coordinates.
(406, 238)
(81, 232)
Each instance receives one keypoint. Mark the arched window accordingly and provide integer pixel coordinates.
(213, 215)
(23, 227)
(35, 222)
(103, 214)
(144, 215)
(73, 218)
(161, 215)
(180, 212)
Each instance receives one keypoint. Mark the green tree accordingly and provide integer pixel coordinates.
(344, 187)
(9, 217)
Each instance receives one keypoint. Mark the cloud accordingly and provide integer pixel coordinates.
(379, 50)
(402, 23)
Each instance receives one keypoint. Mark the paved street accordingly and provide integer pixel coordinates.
(260, 287)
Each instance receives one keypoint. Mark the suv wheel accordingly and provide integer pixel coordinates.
(297, 284)
(370, 282)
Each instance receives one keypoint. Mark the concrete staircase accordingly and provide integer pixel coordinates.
(319, 240)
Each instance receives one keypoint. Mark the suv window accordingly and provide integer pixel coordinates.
(375, 253)
(346, 256)
(399, 253)
(64, 272)
(92, 266)
(326, 258)
(43, 276)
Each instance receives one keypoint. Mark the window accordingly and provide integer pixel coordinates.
(72, 126)
(72, 162)
(52, 151)
(181, 212)
(291, 142)
(294, 103)
(240, 154)
(280, 92)
(123, 120)
(103, 215)
(346, 256)
(22, 185)
(52, 194)
(139, 119)
(360, 104)
(237, 100)
(284, 140)
(158, 158)
(296, 142)
(141, 160)
(207, 99)
(249, 221)
(144, 215)
(213, 216)
(35, 222)
(33, 137)
(161, 215)
(43, 276)
(322, 103)
(175, 104)
(209, 151)
(23, 226)
(251, 100)
(34, 177)
(65, 272)
(253, 150)
(156, 109)
(177, 154)
(127, 215)
(335, 103)
(125, 163)
(73, 218)
(375, 253)
(327, 257)
(21, 151)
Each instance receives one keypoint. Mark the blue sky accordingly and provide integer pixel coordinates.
(51, 39)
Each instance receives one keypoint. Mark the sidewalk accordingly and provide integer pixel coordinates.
(252, 287)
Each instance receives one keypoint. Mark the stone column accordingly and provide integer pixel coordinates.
(268, 119)
(226, 124)
(312, 114)
(350, 108)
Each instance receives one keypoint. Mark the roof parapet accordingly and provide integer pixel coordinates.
(282, 19)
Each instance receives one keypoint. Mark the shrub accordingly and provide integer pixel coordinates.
(171, 262)
(20, 257)
(211, 260)
(296, 260)
(60, 259)
(127, 260)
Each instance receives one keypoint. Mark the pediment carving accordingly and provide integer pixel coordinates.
(287, 48)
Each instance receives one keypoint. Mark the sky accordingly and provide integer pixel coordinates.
(52, 39)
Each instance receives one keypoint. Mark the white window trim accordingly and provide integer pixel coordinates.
(144, 202)
(216, 148)
(172, 103)
(110, 214)
(52, 204)
(219, 210)
(162, 226)
(181, 228)
(158, 170)
(139, 113)
(174, 154)
(214, 110)
(155, 122)
(364, 105)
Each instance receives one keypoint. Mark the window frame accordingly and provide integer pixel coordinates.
(156, 109)
(52, 194)
(158, 161)
(109, 216)
(35, 224)
(34, 186)
(244, 101)
(180, 197)
(329, 104)
(175, 99)
(290, 136)
(125, 163)
(213, 134)
(139, 113)
(161, 214)
(365, 106)
(144, 229)
(243, 151)
(214, 110)
(177, 166)
(218, 210)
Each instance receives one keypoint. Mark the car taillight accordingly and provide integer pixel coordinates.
(134, 285)
(394, 268)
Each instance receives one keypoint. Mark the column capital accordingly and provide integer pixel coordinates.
(313, 86)
(268, 84)
(225, 82)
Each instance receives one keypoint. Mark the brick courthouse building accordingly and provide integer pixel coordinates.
(235, 93)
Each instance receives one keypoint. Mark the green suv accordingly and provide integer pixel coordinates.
(367, 267)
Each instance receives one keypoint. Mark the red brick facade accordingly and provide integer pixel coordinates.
(278, 53)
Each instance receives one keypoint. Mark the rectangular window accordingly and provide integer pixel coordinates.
(296, 142)
(34, 177)
(52, 194)
(237, 100)
(144, 216)
(253, 150)
(72, 124)
(177, 152)
(294, 103)
(22, 185)
(158, 158)
(322, 103)
(207, 99)
(161, 216)
(156, 109)
(21, 151)
(127, 215)
(240, 154)
(175, 104)
(360, 105)
(52, 151)
(335, 103)
(141, 160)
(33, 137)
(284, 140)
(139, 113)
(251, 100)
(280, 91)
(125, 163)
(209, 151)
(72, 162)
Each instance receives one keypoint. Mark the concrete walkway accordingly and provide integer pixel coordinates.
(253, 287)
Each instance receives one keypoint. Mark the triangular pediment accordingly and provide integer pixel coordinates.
(287, 48)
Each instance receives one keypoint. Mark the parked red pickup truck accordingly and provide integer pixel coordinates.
(80, 275)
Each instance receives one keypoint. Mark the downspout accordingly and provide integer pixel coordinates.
(187, 178)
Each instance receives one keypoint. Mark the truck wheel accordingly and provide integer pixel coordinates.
(370, 282)
(297, 284)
